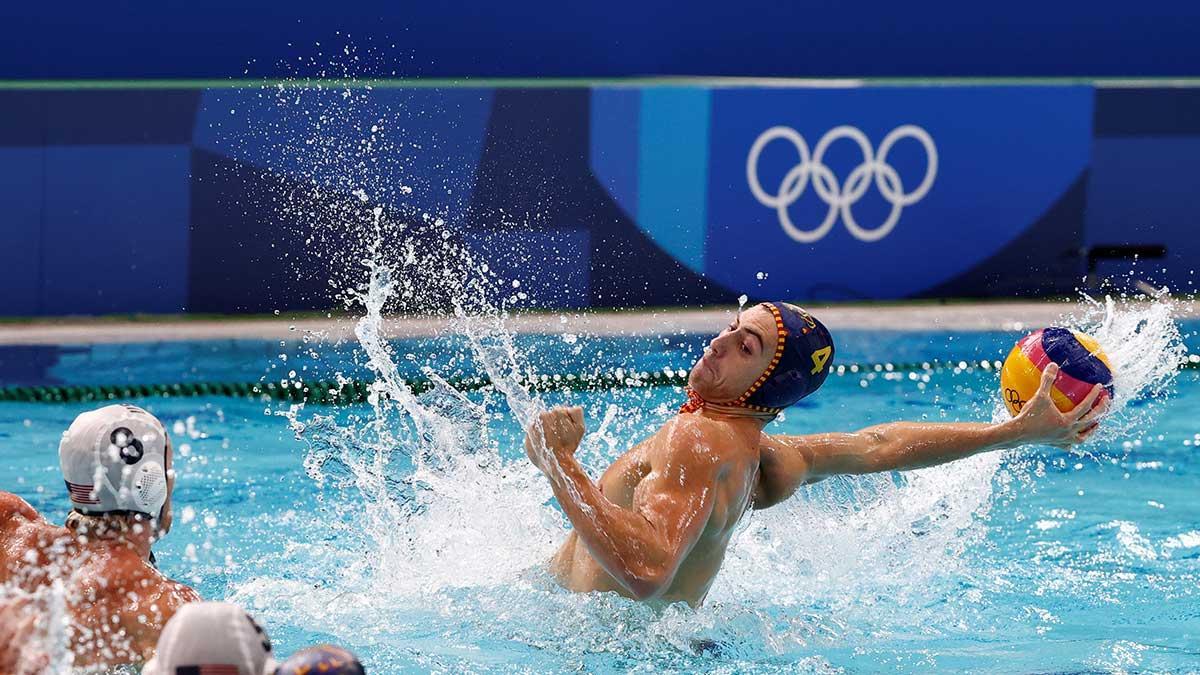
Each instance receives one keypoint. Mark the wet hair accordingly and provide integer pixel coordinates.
(109, 523)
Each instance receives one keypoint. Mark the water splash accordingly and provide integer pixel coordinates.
(39, 608)
(39, 621)
(1143, 341)
(450, 526)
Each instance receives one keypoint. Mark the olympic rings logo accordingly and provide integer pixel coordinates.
(840, 198)
(1014, 398)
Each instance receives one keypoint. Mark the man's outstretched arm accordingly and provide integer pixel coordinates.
(641, 547)
(790, 461)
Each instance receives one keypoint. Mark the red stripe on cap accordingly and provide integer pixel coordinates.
(82, 493)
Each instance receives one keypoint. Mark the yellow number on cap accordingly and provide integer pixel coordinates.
(820, 357)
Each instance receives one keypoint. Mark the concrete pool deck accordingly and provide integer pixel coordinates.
(1016, 315)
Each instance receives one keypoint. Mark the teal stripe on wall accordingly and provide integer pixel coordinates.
(673, 170)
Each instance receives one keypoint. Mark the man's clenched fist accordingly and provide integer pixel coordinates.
(561, 431)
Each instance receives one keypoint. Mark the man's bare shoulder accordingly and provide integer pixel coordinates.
(19, 520)
(783, 467)
(129, 580)
(114, 584)
(159, 592)
(694, 438)
(27, 542)
(15, 511)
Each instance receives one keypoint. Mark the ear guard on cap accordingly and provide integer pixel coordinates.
(143, 487)
(149, 488)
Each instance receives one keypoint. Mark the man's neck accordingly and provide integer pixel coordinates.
(138, 543)
(136, 534)
(750, 426)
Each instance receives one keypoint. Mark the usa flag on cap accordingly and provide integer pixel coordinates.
(82, 494)
(207, 669)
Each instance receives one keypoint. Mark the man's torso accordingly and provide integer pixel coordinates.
(624, 483)
(113, 597)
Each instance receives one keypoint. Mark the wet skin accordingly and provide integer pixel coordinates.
(656, 525)
(116, 600)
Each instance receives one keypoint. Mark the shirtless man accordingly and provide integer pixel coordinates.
(657, 523)
(117, 464)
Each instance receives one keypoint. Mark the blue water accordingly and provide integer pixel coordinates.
(1038, 560)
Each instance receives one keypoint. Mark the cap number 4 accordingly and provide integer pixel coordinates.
(820, 358)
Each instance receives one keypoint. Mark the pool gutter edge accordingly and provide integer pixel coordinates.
(957, 317)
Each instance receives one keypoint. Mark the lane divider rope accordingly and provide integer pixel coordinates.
(348, 392)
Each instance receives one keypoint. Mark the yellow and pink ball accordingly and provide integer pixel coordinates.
(1082, 364)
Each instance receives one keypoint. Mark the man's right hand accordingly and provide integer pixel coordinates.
(561, 431)
(1041, 422)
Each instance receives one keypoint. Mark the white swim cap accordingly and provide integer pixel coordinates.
(114, 459)
(214, 638)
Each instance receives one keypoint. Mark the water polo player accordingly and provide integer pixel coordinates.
(214, 638)
(657, 523)
(116, 462)
(321, 660)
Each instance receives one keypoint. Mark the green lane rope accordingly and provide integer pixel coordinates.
(346, 392)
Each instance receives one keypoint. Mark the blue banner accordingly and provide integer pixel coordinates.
(882, 192)
(609, 196)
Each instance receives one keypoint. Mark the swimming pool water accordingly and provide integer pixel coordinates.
(1036, 560)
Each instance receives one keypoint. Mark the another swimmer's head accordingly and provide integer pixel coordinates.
(767, 359)
(322, 660)
(116, 461)
(212, 637)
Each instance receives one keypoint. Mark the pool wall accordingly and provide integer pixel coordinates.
(164, 197)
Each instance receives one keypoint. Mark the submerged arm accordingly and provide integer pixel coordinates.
(789, 461)
(640, 547)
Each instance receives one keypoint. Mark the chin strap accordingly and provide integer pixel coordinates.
(695, 403)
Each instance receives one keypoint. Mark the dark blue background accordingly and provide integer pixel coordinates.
(169, 200)
(174, 39)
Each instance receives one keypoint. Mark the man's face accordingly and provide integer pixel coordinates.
(735, 358)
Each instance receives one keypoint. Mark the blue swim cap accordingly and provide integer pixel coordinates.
(321, 660)
(803, 358)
